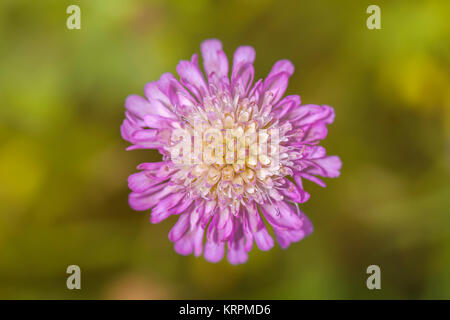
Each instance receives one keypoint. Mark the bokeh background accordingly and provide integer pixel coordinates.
(63, 164)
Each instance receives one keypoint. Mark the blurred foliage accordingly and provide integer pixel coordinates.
(63, 164)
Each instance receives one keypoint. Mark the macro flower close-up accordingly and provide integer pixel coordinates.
(226, 196)
(186, 151)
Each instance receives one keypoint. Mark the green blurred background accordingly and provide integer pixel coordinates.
(63, 164)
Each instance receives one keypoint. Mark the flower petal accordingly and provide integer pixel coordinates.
(138, 106)
(326, 167)
(191, 242)
(142, 181)
(162, 209)
(180, 228)
(282, 66)
(286, 105)
(315, 132)
(127, 129)
(145, 200)
(192, 78)
(237, 247)
(275, 86)
(236, 252)
(310, 114)
(182, 206)
(214, 251)
(214, 59)
(243, 55)
(294, 192)
(286, 237)
(243, 70)
(281, 215)
(263, 240)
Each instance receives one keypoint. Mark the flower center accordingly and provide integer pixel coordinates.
(229, 152)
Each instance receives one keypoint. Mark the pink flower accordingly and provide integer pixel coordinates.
(226, 200)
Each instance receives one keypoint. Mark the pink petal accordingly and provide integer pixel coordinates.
(217, 234)
(148, 199)
(282, 66)
(286, 105)
(159, 122)
(138, 105)
(263, 240)
(214, 59)
(294, 192)
(285, 237)
(191, 242)
(238, 244)
(243, 70)
(285, 217)
(127, 129)
(243, 55)
(276, 86)
(162, 210)
(182, 206)
(142, 181)
(310, 113)
(310, 178)
(148, 135)
(236, 252)
(210, 207)
(242, 79)
(180, 228)
(314, 152)
(327, 167)
(192, 78)
(214, 251)
(315, 132)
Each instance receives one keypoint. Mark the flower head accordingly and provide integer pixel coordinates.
(234, 151)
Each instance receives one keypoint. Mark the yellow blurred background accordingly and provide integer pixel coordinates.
(63, 164)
